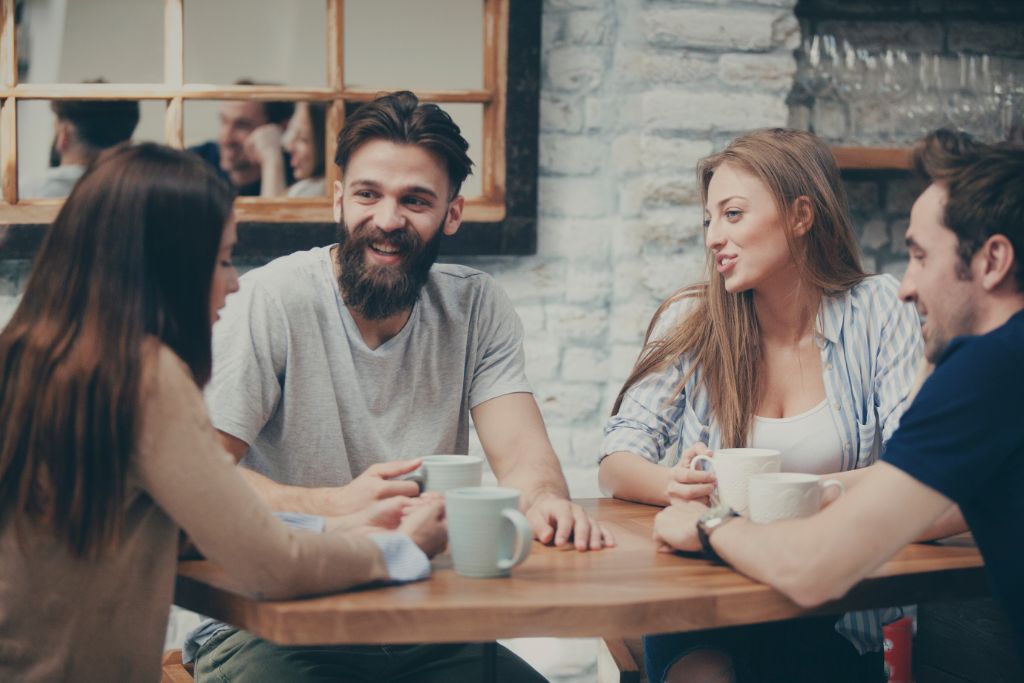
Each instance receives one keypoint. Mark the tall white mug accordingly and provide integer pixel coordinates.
(487, 534)
(787, 495)
(733, 467)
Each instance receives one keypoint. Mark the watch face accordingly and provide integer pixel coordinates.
(714, 516)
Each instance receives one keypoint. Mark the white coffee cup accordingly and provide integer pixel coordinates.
(733, 467)
(487, 534)
(787, 495)
(444, 472)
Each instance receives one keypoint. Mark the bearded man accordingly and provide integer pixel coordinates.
(335, 369)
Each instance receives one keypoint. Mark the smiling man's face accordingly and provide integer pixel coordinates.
(393, 206)
(937, 280)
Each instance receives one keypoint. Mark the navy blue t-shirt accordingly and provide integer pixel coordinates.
(964, 437)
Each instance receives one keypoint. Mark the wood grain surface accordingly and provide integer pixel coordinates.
(625, 591)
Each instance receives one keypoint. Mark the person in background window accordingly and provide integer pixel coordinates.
(84, 128)
(106, 450)
(233, 155)
(303, 140)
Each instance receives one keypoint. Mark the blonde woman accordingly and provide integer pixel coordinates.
(789, 345)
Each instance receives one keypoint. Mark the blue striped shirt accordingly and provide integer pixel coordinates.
(871, 347)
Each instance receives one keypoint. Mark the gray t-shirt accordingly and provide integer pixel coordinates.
(294, 379)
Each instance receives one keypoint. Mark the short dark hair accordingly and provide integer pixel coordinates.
(276, 111)
(399, 117)
(99, 123)
(985, 188)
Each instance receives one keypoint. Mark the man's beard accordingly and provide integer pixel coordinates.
(377, 292)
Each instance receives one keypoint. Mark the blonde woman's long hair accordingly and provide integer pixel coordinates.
(720, 333)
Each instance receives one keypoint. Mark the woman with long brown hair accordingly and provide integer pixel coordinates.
(787, 345)
(105, 447)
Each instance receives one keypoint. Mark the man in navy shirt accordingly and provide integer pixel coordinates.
(960, 446)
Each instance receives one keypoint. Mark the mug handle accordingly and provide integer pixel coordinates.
(524, 537)
(714, 498)
(703, 458)
(832, 484)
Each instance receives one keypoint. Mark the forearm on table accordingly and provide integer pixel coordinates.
(283, 497)
(536, 473)
(632, 477)
(821, 557)
(951, 523)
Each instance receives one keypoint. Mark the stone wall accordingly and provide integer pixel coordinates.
(634, 92)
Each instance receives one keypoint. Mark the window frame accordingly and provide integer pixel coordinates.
(501, 221)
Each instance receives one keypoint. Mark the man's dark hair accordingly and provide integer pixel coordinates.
(985, 187)
(400, 118)
(276, 112)
(99, 123)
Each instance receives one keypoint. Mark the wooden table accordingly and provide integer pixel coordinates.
(626, 591)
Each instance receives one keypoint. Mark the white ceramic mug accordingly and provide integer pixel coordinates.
(443, 472)
(733, 467)
(787, 495)
(487, 534)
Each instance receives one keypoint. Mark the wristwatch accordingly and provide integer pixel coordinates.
(708, 522)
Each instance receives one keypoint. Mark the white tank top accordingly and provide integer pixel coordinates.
(809, 442)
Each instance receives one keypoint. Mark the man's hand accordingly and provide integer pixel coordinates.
(376, 483)
(675, 527)
(555, 519)
(426, 526)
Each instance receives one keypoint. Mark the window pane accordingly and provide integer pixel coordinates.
(276, 148)
(52, 154)
(395, 44)
(470, 119)
(282, 42)
(70, 42)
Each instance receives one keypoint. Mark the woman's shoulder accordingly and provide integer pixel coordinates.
(163, 370)
(673, 311)
(873, 306)
(875, 294)
(880, 286)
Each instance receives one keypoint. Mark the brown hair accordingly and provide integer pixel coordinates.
(985, 187)
(721, 333)
(130, 257)
(400, 118)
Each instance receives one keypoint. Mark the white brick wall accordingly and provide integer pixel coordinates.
(633, 94)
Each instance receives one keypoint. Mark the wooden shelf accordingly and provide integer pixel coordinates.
(873, 158)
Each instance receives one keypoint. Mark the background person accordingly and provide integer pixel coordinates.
(106, 450)
(83, 129)
(788, 345)
(232, 154)
(304, 141)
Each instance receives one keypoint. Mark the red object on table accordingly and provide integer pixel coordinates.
(897, 643)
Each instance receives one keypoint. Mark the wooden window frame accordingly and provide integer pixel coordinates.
(501, 221)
